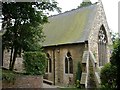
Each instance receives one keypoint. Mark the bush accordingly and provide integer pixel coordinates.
(115, 59)
(108, 76)
(34, 63)
(8, 76)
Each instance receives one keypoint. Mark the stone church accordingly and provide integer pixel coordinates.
(80, 35)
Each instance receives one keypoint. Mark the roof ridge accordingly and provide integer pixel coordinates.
(72, 10)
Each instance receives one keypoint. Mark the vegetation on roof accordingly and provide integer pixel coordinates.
(69, 27)
(84, 4)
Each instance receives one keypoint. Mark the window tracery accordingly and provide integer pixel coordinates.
(68, 64)
(102, 49)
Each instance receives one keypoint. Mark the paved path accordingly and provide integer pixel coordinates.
(49, 86)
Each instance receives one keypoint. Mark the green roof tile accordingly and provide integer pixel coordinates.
(69, 27)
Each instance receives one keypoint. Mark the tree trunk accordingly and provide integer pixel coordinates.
(2, 55)
(11, 56)
(14, 58)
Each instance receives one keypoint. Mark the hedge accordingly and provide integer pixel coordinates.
(34, 63)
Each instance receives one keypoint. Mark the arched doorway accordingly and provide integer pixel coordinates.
(102, 46)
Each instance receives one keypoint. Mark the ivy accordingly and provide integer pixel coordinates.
(78, 75)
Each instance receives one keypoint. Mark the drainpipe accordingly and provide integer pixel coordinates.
(54, 64)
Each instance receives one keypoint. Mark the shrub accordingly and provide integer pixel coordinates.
(115, 59)
(108, 76)
(34, 63)
(8, 76)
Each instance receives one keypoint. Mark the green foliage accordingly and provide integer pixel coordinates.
(108, 76)
(110, 72)
(114, 36)
(115, 59)
(84, 4)
(8, 76)
(34, 63)
(22, 25)
(78, 75)
(78, 83)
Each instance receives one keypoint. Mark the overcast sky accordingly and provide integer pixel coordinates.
(110, 7)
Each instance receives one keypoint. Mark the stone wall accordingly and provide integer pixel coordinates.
(18, 63)
(25, 81)
(99, 20)
(59, 55)
(60, 52)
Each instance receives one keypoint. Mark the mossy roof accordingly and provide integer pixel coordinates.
(69, 27)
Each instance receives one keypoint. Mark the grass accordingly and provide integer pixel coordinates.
(8, 76)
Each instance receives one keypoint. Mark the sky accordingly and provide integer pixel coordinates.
(110, 8)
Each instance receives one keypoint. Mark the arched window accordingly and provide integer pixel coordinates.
(49, 64)
(102, 49)
(68, 64)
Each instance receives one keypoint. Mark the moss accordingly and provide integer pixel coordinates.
(68, 27)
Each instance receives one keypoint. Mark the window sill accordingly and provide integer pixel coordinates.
(48, 73)
(68, 74)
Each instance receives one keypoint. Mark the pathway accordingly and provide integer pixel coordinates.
(48, 86)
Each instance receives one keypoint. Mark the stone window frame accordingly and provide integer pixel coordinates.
(49, 64)
(68, 59)
(102, 46)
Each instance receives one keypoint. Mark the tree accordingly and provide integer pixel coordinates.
(108, 76)
(114, 36)
(84, 4)
(115, 59)
(110, 72)
(22, 23)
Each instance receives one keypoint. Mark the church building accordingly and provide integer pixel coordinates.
(80, 36)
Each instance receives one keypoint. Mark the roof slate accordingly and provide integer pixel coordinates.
(69, 27)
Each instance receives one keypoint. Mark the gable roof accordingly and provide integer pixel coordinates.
(69, 27)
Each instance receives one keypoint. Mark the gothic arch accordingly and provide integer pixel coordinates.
(102, 46)
(68, 63)
(49, 64)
